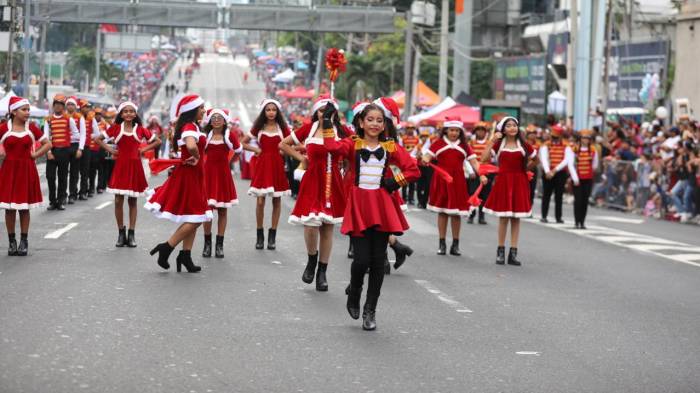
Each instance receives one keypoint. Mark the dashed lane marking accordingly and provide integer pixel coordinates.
(103, 205)
(443, 297)
(57, 233)
(618, 219)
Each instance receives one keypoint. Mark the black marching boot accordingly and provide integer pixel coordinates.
(513, 257)
(260, 242)
(353, 304)
(500, 255)
(482, 220)
(308, 276)
(442, 248)
(23, 248)
(321, 282)
(185, 258)
(368, 314)
(387, 266)
(12, 248)
(271, 235)
(206, 251)
(131, 239)
(401, 251)
(454, 248)
(351, 251)
(164, 250)
(121, 239)
(219, 249)
(470, 220)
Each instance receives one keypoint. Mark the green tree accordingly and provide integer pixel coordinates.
(81, 60)
(481, 79)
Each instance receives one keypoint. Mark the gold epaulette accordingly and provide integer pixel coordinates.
(359, 142)
(389, 146)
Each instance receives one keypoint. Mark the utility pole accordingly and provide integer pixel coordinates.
(606, 69)
(407, 60)
(444, 50)
(10, 47)
(461, 68)
(42, 64)
(319, 64)
(98, 56)
(571, 62)
(416, 76)
(27, 47)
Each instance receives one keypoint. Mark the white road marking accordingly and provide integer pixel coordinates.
(276, 262)
(56, 234)
(243, 113)
(103, 205)
(618, 219)
(528, 353)
(443, 297)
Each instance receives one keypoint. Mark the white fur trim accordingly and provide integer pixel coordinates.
(267, 192)
(315, 220)
(18, 104)
(451, 212)
(190, 106)
(508, 214)
(217, 111)
(217, 204)
(266, 101)
(125, 104)
(129, 193)
(499, 126)
(21, 206)
(194, 134)
(387, 113)
(154, 208)
(321, 103)
(450, 145)
(299, 174)
(453, 124)
(359, 108)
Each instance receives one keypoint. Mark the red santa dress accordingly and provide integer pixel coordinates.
(268, 175)
(221, 191)
(128, 177)
(510, 194)
(19, 180)
(453, 198)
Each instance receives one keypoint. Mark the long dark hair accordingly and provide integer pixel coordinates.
(260, 121)
(336, 123)
(520, 137)
(389, 127)
(185, 118)
(462, 135)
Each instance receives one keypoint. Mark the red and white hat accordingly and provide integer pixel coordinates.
(16, 102)
(501, 124)
(216, 111)
(359, 107)
(453, 122)
(185, 103)
(125, 104)
(266, 101)
(389, 106)
(322, 101)
(72, 100)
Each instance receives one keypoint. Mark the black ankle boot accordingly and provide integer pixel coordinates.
(185, 259)
(206, 252)
(442, 248)
(482, 220)
(351, 252)
(500, 255)
(219, 250)
(454, 248)
(387, 266)
(260, 242)
(131, 239)
(121, 239)
(368, 314)
(513, 257)
(23, 248)
(12, 248)
(308, 276)
(271, 235)
(401, 251)
(321, 282)
(353, 304)
(164, 250)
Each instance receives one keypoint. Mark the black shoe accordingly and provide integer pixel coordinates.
(353, 304)
(560, 221)
(164, 250)
(82, 197)
(308, 276)
(442, 248)
(121, 239)
(454, 248)
(23, 248)
(321, 282)
(184, 258)
(401, 251)
(52, 206)
(351, 252)
(581, 226)
(544, 220)
(500, 255)
(100, 191)
(131, 239)
(12, 247)
(470, 220)
(387, 266)
(219, 249)
(260, 242)
(206, 252)
(71, 200)
(482, 219)
(368, 314)
(513, 257)
(271, 235)
(576, 226)
(61, 206)
(91, 194)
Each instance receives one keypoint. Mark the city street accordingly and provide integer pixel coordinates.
(611, 309)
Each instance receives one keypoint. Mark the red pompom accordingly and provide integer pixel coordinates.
(335, 63)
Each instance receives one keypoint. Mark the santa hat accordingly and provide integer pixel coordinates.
(501, 124)
(266, 101)
(72, 100)
(453, 122)
(322, 101)
(216, 111)
(125, 104)
(557, 130)
(185, 103)
(359, 107)
(16, 102)
(389, 106)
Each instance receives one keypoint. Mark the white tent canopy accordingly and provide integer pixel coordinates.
(285, 76)
(446, 104)
(33, 111)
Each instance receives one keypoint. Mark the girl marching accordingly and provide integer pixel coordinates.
(450, 200)
(582, 170)
(510, 195)
(269, 177)
(19, 177)
(221, 191)
(128, 178)
(182, 198)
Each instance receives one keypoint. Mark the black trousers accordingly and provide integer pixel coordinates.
(84, 166)
(57, 172)
(369, 252)
(423, 185)
(73, 172)
(533, 186)
(473, 184)
(107, 166)
(408, 192)
(97, 170)
(556, 184)
(581, 194)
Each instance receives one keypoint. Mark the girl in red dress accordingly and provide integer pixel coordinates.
(450, 200)
(269, 177)
(182, 198)
(221, 191)
(510, 195)
(321, 200)
(18, 175)
(373, 211)
(128, 178)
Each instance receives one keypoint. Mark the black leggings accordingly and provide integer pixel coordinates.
(369, 252)
(581, 194)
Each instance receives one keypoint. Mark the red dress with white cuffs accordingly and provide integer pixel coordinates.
(510, 194)
(128, 177)
(268, 175)
(221, 191)
(19, 179)
(451, 199)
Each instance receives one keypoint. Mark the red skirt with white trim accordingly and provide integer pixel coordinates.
(19, 185)
(451, 199)
(221, 191)
(510, 196)
(128, 178)
(269, 177)
(182, 197)
(376, 209)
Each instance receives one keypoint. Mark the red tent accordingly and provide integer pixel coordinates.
(300, 92)
(467, 114)
(281, 93)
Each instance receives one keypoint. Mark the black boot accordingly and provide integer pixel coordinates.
(219, 250)
(353, 304)
(454, 248)
(185, 258)
(470, 220)
(387, 266)
(442, 248)
(121, 239)
(321, 282)
(401, 251)
(271, 234)
(131, 239)
(482, 220)
(308, 276)
(52, 206)
(12, 248)
(23, 245)
(351, 251)
(368, 321)
(513, 257)
(164, 250)
(260, 243)
(500, 255)
(206, 252)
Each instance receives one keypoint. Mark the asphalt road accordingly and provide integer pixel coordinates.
(612, 309)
